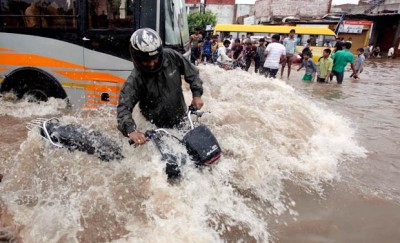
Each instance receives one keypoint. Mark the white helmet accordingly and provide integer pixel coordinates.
(145, 45)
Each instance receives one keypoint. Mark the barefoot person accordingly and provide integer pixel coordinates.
(290, 46)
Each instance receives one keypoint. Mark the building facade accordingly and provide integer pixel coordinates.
(276, 10)
(385, 15)
(227, 11)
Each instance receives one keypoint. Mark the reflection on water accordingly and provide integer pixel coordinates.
(272, 137)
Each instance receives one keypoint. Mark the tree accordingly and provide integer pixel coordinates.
(201, 20)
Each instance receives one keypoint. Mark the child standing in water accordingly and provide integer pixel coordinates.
(311, 67)
(325, 65)
(360, 63)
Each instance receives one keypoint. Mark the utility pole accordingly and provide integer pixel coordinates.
(329, 7)
(203, 4)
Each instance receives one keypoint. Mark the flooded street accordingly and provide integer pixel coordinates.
(302, 162)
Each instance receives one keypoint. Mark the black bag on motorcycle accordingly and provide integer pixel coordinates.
(202, 145)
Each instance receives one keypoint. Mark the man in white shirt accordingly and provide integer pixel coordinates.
(222, 57)
(275, 54)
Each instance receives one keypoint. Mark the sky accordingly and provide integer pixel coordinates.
(334, 2)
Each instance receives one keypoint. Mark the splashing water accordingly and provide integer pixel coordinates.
(24, 108)
(269, 135)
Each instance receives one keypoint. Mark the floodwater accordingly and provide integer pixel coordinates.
(302, 162)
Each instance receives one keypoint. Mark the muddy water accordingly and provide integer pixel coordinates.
(313, 163)
(364, 206)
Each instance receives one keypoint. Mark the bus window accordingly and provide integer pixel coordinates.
(175, 23)
(113, 14)
(38, 14)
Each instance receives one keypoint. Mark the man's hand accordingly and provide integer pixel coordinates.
(137, 137)
(198, 102)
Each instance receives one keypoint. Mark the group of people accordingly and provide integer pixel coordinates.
(371, 51)
(334, 65)
(269, 57)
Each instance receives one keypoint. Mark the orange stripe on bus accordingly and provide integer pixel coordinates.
(113, 103)
(2, 69)
(93, 106)
(5, 49)
(96, 76)
(34, 60)
(112, 97)
(103, 88)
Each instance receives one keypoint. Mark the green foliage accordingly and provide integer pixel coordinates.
(201, 20)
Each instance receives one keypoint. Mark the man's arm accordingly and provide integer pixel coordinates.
(301, 66)
(128, 98)
(190, 42)
(224, 56)
(354, 70)
(283, 55)
(241, 54)
(328, 73)
(191, 75)
(315, 67)
(361, 66)
(267, 50)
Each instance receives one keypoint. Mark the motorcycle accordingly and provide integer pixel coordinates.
(201, 145)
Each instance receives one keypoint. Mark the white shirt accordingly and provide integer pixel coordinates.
(222, 57)
(391, 51)
(275, 50)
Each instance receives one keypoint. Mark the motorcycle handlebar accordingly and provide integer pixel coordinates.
(148, 134)
(192, 110)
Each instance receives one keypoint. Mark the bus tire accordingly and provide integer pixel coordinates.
(33, 83)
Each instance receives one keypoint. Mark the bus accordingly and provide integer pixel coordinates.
(323, 37)
(78, 50)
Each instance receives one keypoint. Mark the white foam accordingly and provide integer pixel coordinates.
(269, 134)
(23, 108)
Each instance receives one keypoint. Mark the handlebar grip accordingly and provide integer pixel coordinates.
(148, 134)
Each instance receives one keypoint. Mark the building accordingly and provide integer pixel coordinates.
(281, 11)
(227, 11)
(371, 7)
(385, 16)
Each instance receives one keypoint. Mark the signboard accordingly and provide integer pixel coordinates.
(349, 28)
(358, 22)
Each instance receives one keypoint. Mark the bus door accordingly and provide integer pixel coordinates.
(107, 26)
